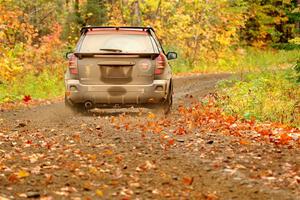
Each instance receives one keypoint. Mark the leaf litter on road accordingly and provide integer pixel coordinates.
(142, 155)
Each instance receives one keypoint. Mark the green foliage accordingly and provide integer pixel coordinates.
(286, 46)
(297, 71)
(241, 61)
(94, 12)
(48, 84)
(82, 13)
(270, 96)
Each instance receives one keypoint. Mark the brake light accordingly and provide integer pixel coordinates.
(161, 63)
(73, 65)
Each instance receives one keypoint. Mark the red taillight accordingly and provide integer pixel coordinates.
(161, 63)
(73, 64)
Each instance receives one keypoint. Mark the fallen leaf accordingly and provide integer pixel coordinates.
(244, 142)
(13, 178)
(171, 142)
(211, 197)
(285, 138)
(108, 152)
(99, 193)
(26, 99)
(188, 180)
(151, 115)
(22, 174)
(87, 186)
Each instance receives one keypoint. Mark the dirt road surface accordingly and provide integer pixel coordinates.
(47, 152)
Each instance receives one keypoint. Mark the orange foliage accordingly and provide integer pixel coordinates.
(210, 118)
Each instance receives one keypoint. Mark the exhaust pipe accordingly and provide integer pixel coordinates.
(88, 105)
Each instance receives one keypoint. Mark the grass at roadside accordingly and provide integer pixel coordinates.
(46, 85)
(242, 60)
(267, 96)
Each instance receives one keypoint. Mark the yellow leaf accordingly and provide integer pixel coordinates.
(108, 152)
(22, 174)
(99, 193)
(151, 115)
(93, 170)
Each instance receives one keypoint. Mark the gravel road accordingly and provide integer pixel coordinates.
(47, 152)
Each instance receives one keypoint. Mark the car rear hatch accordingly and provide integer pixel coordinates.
(116, 58)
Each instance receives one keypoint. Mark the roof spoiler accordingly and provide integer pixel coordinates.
(142, 55)
(87, 28)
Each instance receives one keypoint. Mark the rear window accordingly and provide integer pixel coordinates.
(124, 42)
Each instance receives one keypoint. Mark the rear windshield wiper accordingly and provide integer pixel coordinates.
(113, 50)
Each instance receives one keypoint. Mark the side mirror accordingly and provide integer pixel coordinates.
(69, 55)
(171, 55)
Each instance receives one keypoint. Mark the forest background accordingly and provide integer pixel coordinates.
(257, 39)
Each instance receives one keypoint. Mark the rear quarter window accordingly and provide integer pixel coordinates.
(125, 42)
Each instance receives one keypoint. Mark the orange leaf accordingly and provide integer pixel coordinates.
(265, 132)
(112, 119)
(126, 126)
(211, 197)
(13, 178)
(188, 180)
(230, 119)
(244, 142)
(171, 142)
(180, 131)
(157, 129)
(285, 138)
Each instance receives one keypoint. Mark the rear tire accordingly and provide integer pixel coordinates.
(166, 106)
(75, 108)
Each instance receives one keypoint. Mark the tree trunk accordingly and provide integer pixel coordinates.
(157, 10)
(137, 21)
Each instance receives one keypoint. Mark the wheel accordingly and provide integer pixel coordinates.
(76, 108)
(167, 105)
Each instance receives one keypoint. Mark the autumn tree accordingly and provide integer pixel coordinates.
(41, 13)
(94, 12)
(270, 21)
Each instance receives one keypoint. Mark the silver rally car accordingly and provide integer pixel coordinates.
(118, 67)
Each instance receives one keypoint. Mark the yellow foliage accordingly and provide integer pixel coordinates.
(200, 29)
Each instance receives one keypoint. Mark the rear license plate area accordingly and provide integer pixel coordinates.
(116, 72)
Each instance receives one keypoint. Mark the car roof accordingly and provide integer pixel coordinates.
(114, 29)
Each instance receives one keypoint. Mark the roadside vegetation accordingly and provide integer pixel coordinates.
(257, 40)
(267, 96)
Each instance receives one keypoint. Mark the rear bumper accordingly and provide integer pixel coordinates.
(117, 94)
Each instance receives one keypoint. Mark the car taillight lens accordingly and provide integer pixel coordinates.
(73, 65)
(161, 63)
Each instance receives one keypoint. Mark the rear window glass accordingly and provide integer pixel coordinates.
(124, 42)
